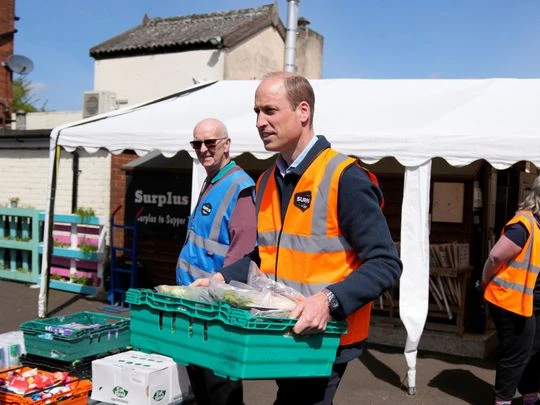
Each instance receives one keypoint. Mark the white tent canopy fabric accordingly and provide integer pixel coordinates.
(413, 121)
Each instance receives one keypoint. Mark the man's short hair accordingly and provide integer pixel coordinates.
(298, 89)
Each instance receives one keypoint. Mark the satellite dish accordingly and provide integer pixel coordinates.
(19, 64)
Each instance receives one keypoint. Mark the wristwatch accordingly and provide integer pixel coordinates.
(333, 303)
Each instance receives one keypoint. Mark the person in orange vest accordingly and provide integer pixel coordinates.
(321, 230)
(512, 290)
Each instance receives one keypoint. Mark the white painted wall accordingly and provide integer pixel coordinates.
(252, 59)
(141, 78)
(41, 120)
(25, 173)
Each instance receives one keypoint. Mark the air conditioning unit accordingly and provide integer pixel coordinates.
(98, 102)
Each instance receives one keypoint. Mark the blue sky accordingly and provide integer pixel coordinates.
(363, 38)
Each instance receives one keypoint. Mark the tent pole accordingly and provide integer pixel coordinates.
(414, 282)
(47, 233)
(198, 175)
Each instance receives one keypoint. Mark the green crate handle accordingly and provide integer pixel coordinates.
(243, 319)
(38, 327)
(163, 302)
(224, 312)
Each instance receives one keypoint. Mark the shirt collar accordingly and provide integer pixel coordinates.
(223, 171)
(282, 165)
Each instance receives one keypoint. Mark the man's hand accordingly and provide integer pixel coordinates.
(312, 313)
(203, 282)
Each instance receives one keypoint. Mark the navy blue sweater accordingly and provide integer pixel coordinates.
(364, 227)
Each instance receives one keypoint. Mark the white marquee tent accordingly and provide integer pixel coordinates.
(411, 120)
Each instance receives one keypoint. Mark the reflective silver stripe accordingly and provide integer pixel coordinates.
(318, 241)
(267, 238)
(191, 269)
(523, 266)
(513, 286)
(320, 209)
(262, 186)
(222, 208)
(304, 289)
(306, 244)
(207, 244)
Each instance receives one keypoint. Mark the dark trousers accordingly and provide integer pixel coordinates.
(209, 389)
(518, 366)
(310, 391)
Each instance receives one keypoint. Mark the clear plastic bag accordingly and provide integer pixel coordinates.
(198, 293)
(259, 294)
(262, 282)
(245, 296)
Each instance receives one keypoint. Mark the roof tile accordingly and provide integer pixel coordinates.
(193, 31)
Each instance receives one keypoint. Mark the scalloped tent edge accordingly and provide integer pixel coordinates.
(411, 120)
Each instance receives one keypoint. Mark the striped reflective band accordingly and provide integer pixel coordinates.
(207, 244)
(317, 241)
(513, 286)
(190, 268)
(320, 210)
(223, 206)
(307, 244)
(524, 265)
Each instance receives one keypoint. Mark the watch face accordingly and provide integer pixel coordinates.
(333, 303)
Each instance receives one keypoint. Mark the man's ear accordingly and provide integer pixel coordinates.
(304, 112)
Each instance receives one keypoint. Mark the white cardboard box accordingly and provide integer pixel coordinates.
(137, 378)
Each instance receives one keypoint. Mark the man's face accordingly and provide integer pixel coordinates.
(279, 125)
(212, 157)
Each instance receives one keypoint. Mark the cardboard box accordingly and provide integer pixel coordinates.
(137, 378)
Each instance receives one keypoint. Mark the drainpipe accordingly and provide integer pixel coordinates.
(75, 184)
(290, 39)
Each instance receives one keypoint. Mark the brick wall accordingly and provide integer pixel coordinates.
(118, 189)
(7, 26)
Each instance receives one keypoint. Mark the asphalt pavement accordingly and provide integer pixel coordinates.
(375, 378)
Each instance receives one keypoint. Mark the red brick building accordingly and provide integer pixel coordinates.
(7, 33)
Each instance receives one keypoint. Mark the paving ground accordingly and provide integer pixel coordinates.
(373, 379)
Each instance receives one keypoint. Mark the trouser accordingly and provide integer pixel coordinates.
(210, 389)
(310, 391)
(518, 366)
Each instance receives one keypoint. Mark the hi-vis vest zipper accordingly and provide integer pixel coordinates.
(512, 288)
(307, 251)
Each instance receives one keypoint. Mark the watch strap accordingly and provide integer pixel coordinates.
(333, 303)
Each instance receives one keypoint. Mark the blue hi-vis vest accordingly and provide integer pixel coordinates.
(207, 238)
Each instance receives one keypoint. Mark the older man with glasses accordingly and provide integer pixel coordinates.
(221, 230)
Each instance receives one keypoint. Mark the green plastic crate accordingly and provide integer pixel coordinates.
(228, 340)
(75, 336)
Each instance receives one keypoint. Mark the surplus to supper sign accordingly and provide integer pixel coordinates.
(165, 199)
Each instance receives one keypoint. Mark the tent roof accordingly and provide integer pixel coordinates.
(411, 120)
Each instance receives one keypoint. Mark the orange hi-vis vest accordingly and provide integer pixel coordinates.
(307, 250)
(512, 288)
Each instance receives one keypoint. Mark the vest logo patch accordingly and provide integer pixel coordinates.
(302, 200)
(206, 209)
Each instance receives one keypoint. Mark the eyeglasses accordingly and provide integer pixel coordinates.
(209, 143)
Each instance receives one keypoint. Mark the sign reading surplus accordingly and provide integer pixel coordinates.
(165, 199)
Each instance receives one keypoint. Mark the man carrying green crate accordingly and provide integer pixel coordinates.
(320, 228)
(221, 230)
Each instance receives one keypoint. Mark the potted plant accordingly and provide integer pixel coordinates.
(85, 213)
(14, 202)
